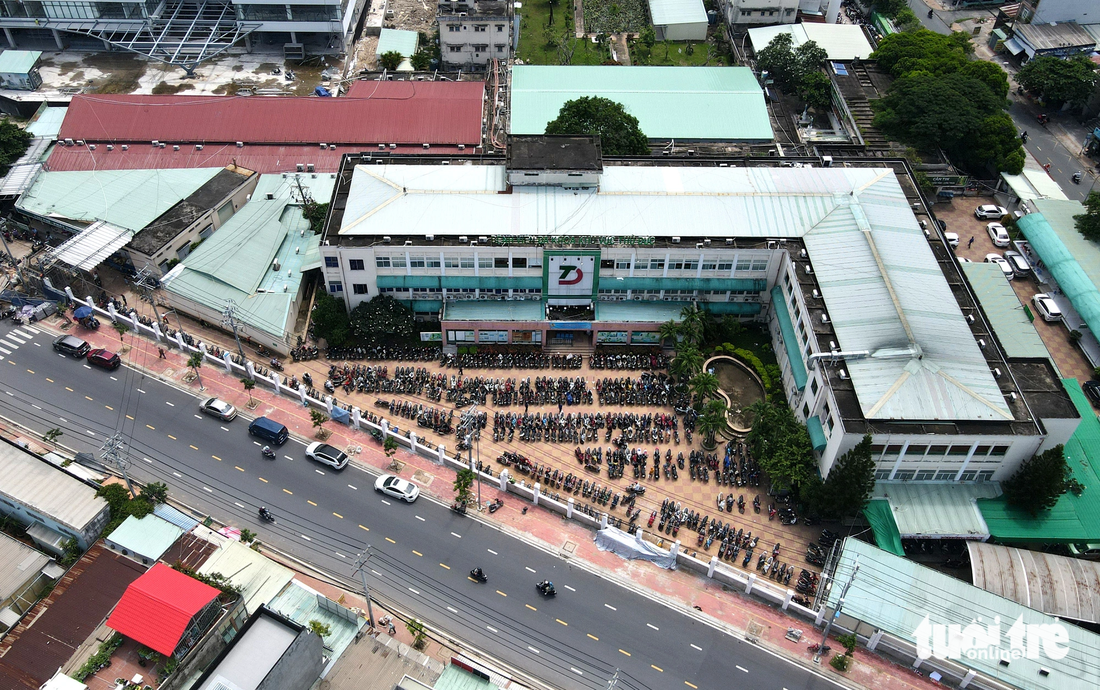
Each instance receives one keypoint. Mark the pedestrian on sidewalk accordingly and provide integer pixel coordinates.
(160, 352)
(970, 243)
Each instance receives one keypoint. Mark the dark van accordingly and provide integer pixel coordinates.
(269, 430)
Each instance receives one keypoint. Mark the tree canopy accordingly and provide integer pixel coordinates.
(1088, 223)
(780, 443)
(797, 71)
(923, 50)
(390, 60)
(1058, 80)
(330, 319)
(14, 141)
(618, 130)
(382, 318)
(848, 487)
(1039, 483)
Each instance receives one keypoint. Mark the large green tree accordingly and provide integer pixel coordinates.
(1088, 223)
(923, 50)
(780, 443)
(1039, 483)
(330, 319)
(1058, 80)
(797, 71)
(618, 130)
(382, 318)
(14, 141)
(848, 486)
(687, 362)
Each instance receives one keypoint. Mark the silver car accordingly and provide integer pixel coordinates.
(395, 486)
(327, 455)
(218, 408)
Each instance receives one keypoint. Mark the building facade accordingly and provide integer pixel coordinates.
(831, 259)
(759, 12)
(473, 34)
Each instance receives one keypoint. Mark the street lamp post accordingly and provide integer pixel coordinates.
(361, 564)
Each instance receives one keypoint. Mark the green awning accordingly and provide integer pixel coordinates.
(786, 327)
(461, 282)
(718, 284)
(887, 536)
(731, 307)
(817, 433)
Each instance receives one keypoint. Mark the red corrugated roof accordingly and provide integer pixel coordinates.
(263, 158)
(379, 113)
(157, 607)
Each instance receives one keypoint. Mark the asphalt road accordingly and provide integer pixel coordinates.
(421, 552)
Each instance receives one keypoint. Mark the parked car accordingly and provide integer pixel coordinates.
(998, 234)
(395, 486)
(218, 408)
(1020, 265)
(1092, 392)
(71, 345)
(1005, 267)
(1087, 551)
(990, 212)
(104, 359)
(1046, 308)
(952, 239)
(327, 455)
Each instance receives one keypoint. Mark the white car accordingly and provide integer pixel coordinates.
(327, 455)
(395, 486)
(998, 234)
(990, 212)
(952, 239)
(1005, 267)
(1046, 308)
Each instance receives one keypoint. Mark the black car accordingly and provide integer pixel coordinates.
(1092, 392)
(71, 345)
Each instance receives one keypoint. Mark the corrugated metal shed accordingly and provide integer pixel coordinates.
(840, 41)
(1073, 260)
(1064, 587)
(19, 564)
(931, 510)
(683, 103)
(128, 199)
(169, 514)
(668, 12)
(259, 578)
(1034, 183)
(18, 61)
(158, 606)
(924, 363)
(47, 490)
(47, 122)
(402, 113)
(147, 537)
(1000, 303)
(895, 594)
(404, 42)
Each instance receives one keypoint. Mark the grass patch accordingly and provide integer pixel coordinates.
(123, 72)
(615, 16)
(685, 54)
(166, 89)
(542, 42)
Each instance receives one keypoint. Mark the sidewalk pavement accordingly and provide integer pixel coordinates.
(680, 589)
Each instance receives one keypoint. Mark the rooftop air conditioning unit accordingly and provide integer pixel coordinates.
(771, 244)
(332, 147)
(826, 161)
(324, 146)
(175, 147)
(386, 239)
(970, 318)
(729, 240)
(981, 343)
(297, 250)
(430, 238)
(310, 167)
(162, 144)
(408, 243)
(269, 196)
(483, 239)
(462, 147)
(393, 146)
(91, 147)
(275, 265)
(817, 293)
(156, 143)
(69, 141)
(996, 373)
(803, 253)
(706, 243)
(809, 270)
(676, 240)
(240, 144)
(832, 346)
(1012, 396)
(300, 167)
(427, 146)
(698, 245)
(382, 147)
(463, 239)
(691, 152)
(110, 147)
(824, 318)
(198, 147)
(445, 162)
(285, 288)
(473, 243)
(843, 374)
(125, 147)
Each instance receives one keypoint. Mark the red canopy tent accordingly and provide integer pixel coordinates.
(158, 607)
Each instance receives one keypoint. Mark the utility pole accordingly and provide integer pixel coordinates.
(360, 567)
(836, 614)
(228, 320)
(473, 432)
(611, 684)
(144, 280)
(112, 450)
(18, 268)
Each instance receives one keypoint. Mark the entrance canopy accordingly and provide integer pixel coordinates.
(935, 510)
(92, 245)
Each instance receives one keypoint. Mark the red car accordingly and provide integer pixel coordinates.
(104, 359)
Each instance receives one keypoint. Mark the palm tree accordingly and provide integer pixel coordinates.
(687, 362)
(704, 385)
(670, 330)
(712, 421)
(195, 362)
(691, 323)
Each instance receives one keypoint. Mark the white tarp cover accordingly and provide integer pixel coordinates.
(632, 547)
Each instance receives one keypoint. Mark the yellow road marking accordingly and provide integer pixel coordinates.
(216, 458)
(531, 607)
(172, 437)
(418, 553)
(49, 379)
(109, 407)
(130, 418)
(311, 503)
(625, 652)
(194, 447)
(691, 685)
(561, 621)
(239, 467)
(501, 593)
(657, 668)
(69, 389)
(365, 529)
(390, 540)
(262, 480)
(444, 565)
(31, 371)
(288, 491)
(339, 515)
(594, 637)
(86, 397)
(150, 427)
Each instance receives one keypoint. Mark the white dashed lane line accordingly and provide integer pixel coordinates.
(492, 552)
(454, 534)
(697, 647)
(741, 668)
(570, 588)
(653, 626)
(420, 518)
(169, 404)
(611, 607)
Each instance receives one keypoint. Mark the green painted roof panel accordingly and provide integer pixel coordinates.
(1014, 330)
(1073, 260)
(404, 42)
(817, 433)
(493, 310)
(688, 103)
(786, 328)
(18, 61)
(643, 312)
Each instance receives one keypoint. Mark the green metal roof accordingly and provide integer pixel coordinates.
(896, 595)
(882, 524)
(47, 122)
(629, 312)
(455, 678)
(404, 42)
(149, 536)
(128, 199)
(937, 510)
(786, 328)
(1007, 316)
(236, 261)
(493, 310)
(18, 61)
(1074, 518)
(1073, 260)
(688, 103)
(817, 433)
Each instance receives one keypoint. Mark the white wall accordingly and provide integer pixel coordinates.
(1080, 11)
(682, 32)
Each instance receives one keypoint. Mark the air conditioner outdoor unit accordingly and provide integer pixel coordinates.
(427, 146)
(382, 147)
(332, 147)
(817, 293)
(275, 265)
(463, 239)
(462, 147)
(198, 147)
(91, 147)
(125, 147)
(970, 318)
(832, 346)
(473, 243)
(729, 240)
(70, 142)
(706, 243)
(310, 167)
(240, 144)
(803, 254)
(843, 374)
(110, 147)
(809, 270)
(162, 144)
(324, 146)
(300, 167)
(386, 239)
(408, 243)
(483, 239)
(175, 147)
(156, 143)
(824, 318)
(996, 373)
(981, 343)
(430, 238)
(269, 196)
(393, 146)
(676, 240)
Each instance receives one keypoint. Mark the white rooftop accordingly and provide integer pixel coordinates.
(47, 490)
(840, 41)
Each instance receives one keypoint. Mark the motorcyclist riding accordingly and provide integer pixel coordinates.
(478, 574)
(546, 587)
(266, 450)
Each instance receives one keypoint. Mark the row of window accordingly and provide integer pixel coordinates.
(478, 28)
(476, 47)
(916, 450)
(935, 475)
(434, 262)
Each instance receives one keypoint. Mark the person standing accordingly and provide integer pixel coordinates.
(970, 242)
